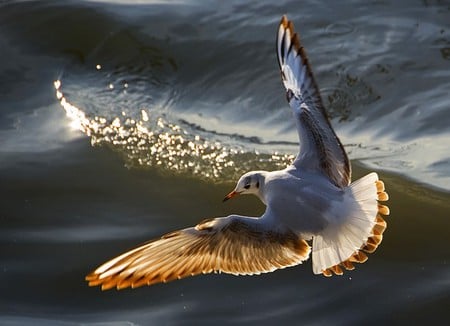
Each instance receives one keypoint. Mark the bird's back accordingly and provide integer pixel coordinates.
(301, 201)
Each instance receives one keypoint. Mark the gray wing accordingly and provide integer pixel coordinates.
(320, 148)
(235, 244)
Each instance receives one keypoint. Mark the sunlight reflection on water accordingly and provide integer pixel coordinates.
(154, 141)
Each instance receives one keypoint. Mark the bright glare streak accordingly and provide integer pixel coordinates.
(154, 141)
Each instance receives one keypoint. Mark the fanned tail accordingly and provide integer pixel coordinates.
(358, 233)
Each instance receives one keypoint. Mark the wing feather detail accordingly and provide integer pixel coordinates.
(234, 245)
(320, 148)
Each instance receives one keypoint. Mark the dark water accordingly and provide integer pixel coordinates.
(120, 121)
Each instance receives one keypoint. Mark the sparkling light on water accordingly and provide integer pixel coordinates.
(154, 141)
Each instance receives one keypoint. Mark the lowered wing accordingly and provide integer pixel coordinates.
(235, 244)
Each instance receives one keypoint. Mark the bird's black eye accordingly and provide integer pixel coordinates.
(247, 186)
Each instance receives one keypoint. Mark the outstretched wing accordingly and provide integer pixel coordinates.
(234, 244)
(320, 148)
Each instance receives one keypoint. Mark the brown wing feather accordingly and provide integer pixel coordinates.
(238, 246)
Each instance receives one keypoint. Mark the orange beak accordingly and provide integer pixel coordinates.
(230, 195)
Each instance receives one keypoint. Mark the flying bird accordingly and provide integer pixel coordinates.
(312, 207)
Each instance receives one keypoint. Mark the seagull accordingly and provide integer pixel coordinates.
(312, 207)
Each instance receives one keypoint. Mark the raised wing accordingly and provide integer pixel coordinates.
(235, 244)
(320, 148)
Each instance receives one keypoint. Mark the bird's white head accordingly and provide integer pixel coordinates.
(250, 183)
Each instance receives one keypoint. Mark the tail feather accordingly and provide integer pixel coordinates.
(359, 232)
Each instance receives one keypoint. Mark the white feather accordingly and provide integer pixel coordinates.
(348, 231)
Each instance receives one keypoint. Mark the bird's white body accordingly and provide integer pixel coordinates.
(312, 199)
(312, 194)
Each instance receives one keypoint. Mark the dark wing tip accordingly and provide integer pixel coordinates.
(284, 21)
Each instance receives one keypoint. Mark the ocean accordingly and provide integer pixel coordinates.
(124, 120)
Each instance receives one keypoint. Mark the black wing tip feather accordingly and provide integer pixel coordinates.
(287, 24)
(296, 44)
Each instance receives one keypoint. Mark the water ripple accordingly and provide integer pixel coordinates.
(153, 140)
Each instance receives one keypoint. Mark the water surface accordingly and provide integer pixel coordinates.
(120, 121)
